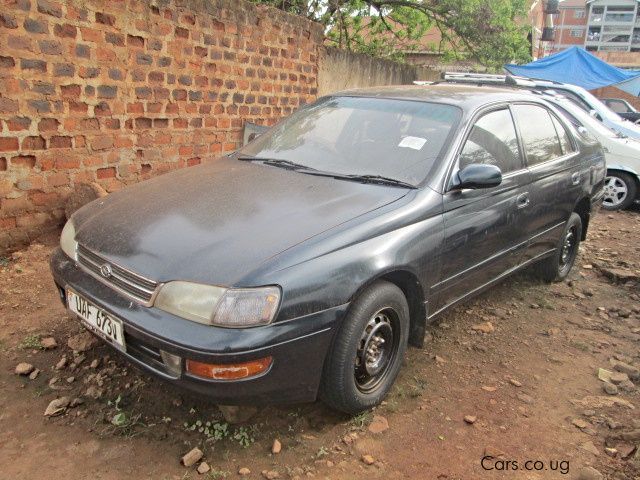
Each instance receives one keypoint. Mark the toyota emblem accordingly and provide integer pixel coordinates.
(105, 270)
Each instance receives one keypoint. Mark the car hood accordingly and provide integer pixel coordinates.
(216, 223)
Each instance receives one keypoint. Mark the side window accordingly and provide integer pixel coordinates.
(493, 141)
(617, 106)
(565, 141)
(539, 136)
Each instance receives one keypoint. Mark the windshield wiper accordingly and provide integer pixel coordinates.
(277, 162)
(377, 179)
(288, 164)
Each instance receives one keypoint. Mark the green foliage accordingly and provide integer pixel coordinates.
(31, 342)
(491, 32)
(361, 420)
(243, 436)
(213, 431)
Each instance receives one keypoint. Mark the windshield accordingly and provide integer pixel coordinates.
(359, 136)
(579, 118)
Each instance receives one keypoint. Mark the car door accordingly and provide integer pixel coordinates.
(556, 173)
(482, 238)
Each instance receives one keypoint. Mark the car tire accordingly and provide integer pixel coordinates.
(360, 368)
(556, 267)
(620, 190)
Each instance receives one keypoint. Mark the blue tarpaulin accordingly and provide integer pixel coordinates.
(578, 67)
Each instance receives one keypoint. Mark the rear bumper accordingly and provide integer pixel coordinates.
(298, 346)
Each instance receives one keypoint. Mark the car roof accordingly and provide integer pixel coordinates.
(467, 97)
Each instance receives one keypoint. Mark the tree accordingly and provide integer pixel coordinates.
(492, 32)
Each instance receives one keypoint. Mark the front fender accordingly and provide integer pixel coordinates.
(623, 168)
(336, 277)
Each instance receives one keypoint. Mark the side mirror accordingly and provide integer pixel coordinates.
(477, 175)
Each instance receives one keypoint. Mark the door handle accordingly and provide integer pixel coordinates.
(575, 178)
(522, 200)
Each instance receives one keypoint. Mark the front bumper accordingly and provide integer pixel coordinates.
(298, 346)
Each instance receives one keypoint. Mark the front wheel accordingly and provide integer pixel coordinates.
(556, 267)
(368, 350)
(619, 191)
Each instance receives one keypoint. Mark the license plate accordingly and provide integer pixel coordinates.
(97, 320)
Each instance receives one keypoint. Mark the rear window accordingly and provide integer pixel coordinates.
(541, 142)
(400, 139)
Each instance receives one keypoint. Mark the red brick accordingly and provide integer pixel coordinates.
(48, 125)
(109, 172)
(70, 91)
(60, 142)
(42, 199)
(101, 143)
(16, 124)
(33, 143)
(58, 179)
(8, 144)
(66, 162)
(24, 161)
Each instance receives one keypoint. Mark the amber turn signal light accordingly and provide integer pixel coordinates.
(229, 371)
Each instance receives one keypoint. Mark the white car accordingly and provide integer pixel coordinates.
(593, 105)
(622, 155)
(579, 95)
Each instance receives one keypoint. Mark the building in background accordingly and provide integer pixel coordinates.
(613, 26)
(570, 25)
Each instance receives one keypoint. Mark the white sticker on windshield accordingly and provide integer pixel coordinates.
(412, 142)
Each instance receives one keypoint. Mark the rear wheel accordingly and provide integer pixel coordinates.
(619, 191)
(368, 350)
(557, 267)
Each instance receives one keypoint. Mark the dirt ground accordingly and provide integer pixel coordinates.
(526, 392)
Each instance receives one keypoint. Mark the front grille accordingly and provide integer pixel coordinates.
(129, 283)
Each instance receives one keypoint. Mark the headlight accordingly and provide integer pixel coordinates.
(241, 307)
(68, 240)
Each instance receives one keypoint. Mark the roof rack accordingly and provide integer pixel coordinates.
(487, 79)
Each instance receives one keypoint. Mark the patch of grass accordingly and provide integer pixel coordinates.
(31, 342)
(361, 420)
(4, 261)
(122, 422)
(323, 452)
(215, 474)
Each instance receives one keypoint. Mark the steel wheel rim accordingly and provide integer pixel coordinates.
(376, 349)
(568, 247)
(615, 191)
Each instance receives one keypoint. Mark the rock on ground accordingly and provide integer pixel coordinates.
(270, 474)
(203, 468)
(244, 471)
(192, 457)
(48, 343)
(24, 368)
(486, 327)
(379, 424)
(276, 448)
(368, 460)
(57, 406)
(82, 342)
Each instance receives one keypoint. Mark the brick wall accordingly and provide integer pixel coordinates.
(115, 91)
(614, 92)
